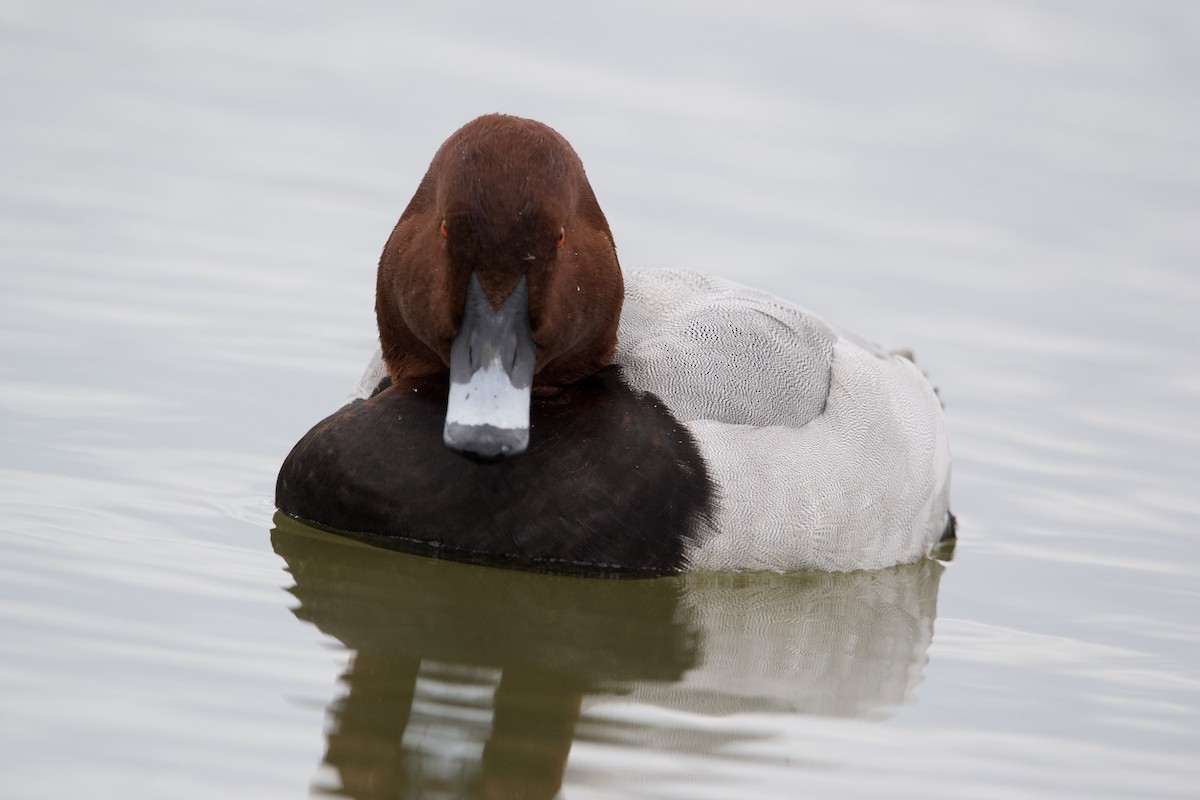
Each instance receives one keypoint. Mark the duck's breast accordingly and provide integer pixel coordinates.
(611, 480)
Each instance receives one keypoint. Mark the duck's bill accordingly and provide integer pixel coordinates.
(491, 375)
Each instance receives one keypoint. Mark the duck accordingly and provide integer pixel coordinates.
(531, 405)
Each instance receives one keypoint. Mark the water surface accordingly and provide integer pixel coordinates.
(192, 204)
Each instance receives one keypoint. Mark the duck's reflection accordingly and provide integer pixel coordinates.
(379, 747)
(467, 681)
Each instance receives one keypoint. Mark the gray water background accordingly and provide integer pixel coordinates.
(193, 198)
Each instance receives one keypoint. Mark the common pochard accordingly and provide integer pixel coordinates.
(531, 406)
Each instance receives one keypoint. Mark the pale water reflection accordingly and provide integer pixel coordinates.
(467, 681)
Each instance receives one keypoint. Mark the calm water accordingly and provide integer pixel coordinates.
(192, 203)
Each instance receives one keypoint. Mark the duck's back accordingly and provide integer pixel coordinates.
(715, 350)
(826, 451)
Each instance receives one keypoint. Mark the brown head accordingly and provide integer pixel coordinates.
(502, 260)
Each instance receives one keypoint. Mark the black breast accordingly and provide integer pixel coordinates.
(611, 481)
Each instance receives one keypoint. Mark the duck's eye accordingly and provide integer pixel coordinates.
(442, 229)
(562, 237)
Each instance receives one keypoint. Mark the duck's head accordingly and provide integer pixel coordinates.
(503, 273)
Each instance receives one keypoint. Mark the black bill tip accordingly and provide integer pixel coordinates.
(486, 443)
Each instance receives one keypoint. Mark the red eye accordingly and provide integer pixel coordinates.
(562, 237)
(442, 229)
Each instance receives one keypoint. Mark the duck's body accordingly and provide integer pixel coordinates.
(827, 452)
(733, 431)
